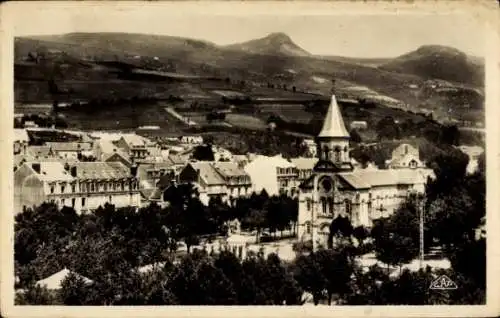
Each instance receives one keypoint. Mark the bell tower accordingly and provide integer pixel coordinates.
(333, 141)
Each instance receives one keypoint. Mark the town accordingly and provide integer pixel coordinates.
(311, 201)
(165, 170)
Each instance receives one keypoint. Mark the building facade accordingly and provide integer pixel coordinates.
(83, 186)
(225, 180)
(335, 188)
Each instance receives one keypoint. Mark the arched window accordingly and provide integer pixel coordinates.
(338, 153)
(326, 152)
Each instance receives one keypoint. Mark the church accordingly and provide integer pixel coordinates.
(338, 188)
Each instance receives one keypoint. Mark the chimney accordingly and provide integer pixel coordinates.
(36, 167)
(73, 172)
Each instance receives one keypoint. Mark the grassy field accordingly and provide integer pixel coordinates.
(128, 117)
(246, 121)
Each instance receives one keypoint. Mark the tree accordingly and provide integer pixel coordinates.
(203, 153)
(340, 227)
(337, 269)
(74, 290)
(360, 233)
(256, 220)
(396, 239)
(452, 218)
(197, 281)
(35, 295)
(309, 275)
(387, 129)
(355, 136)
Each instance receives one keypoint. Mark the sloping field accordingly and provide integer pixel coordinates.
(246, 121)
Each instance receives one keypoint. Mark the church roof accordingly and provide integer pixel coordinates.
(366, 179)
(334, 126)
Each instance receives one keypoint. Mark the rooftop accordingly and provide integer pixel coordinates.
(208, 173)
(334, 126)
(69, 146)
(228, 169)
(54, 281)
(101, 170)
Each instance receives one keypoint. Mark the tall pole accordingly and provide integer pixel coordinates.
(421, 219)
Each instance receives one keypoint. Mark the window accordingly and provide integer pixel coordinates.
(62, 201)
(337, 155)
(73, 202)
(92, 187)
(326, 152)
(110, 199)
(73, 188)
(83, 202)
(330, 205)
(105, 187)
(51, 189)
(62, 189)
(323, 205)
(308, 203)
(308, 227)
(348, 207)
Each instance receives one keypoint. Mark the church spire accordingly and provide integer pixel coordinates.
(333, 126)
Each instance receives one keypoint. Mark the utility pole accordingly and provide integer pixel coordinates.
(421, 221)
(313, 215)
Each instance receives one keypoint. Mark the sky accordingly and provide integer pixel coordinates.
(330, 33)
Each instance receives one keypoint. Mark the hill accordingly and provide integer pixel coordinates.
(113, 66)
(273, 44)
(439, 62)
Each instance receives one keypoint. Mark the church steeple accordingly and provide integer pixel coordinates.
(333, 139)
(333, 126)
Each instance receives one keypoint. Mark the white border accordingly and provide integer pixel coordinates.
(13, 12)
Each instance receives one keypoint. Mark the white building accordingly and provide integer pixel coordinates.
(405, 156)
(82, 185)
(473, 152)
(335, 188)
(70, 150)
(359, 125)
(274, 174)
(21, 140)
